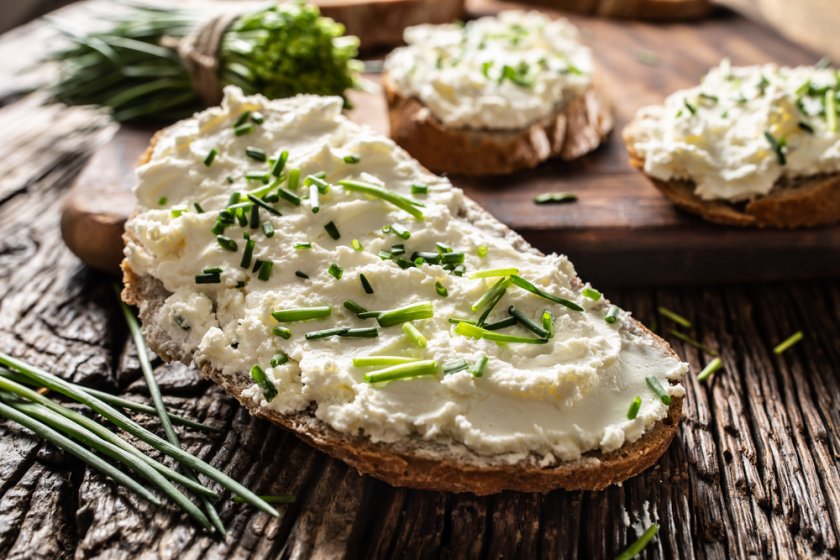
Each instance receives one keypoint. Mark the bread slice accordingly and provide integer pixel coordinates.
(807, 202)
(574, 129)
(653, 10)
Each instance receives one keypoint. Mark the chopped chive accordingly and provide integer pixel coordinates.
(688, 105)
(490, 294)
(372, 361)
(442, 248)
(830, 110)
(227, 243)
(405, 314)
(414, 334)
(243, 129)
(634, 549)
(411, 370)
(301, 274)
(806, 127)
(255, 153)
(370, 314)
(452, 258)
(465, 329)
(633, 411)
(257, 176)
(319, 182)
(294, 179)
(279, 163)
(477, 370)
(257, 117)
(612, 315)
(265, 270)
(366, 332)
(278, 359)
(385, 255)
(212, 270)
(241, 119)
(257, 265)
(303, 245)
(675, 317)
(332, 230)
(456, 320)
(401, 202)
(326, 333)
(281, 331)
(555, 198)
(351, 159)
(481, 251)
(494, 272)
(419, 188)
(591, 293)
(288, 196)
(265, 206)
(548, 323)
(778, 146)
(211, 155)
(508, 321)
(301, 314)
(710, 368)
(260, 378)
(365, 284)
(454, 366)
(240, 284)
(497, 297)
(208, 278)
(526, 322)
(162, 201)
(248, 253)
(198, 208)
(690, 341)
(267, 228)
(788, 342)
(529, 287)
(441, 289)
(357, 245)
(657, 388)
(400, 231)
(254, 222)
(336, 271)
(398, 249)
(420, 257)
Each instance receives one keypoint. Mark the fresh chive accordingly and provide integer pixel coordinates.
(465, 329)
(265, 206)
(508, 321)
(314, 199)
(452, 258)
(788, 342)
(303, 245)
(548, 322)
(336, 271)
(425, 257)
(456, 320)
(419, 188)
(257, 117)
(634, 549)
(326, 333)
(401, 202)
(212, 270)
(675, 317)
(278, 359)
(481, 251)
(301, 314)
(591, 293)
(211, 155)
(633, 411)
(529, 287)
(279, 163)
(260, 378)
(710, 368)
(496, 298)
(288, 196)
(442, 248)
(254, 222)
(198, 208)
(441, 289)
(373, 361)
(411, 370)
(778, 147)
(369, 314)
(806, 127)
(314, 180)
(357, 245)
(265, 270)
(400, 231)
(398, 249)
(690, 341)
(257, 176)
(354, 307)
(257, 265)
(688, 105)
(267, 228)
(294, 179)
(365, 332)
(242, 119)
(208, 278)
(414, 334)
(405, 314)
(612, 315)
(282, 332)
(255, 153)
(494, 272)
(830, 110)
(243, 129)
(454, 366)
(385, 255)
(526, 322)
(248, 253)
(657, 388)
(488, 296)
(365, 284)
(477, 369)
(332, 230)
(301, 274)
(351, 159)
(227, 243)
(555, 198)
(162, 201)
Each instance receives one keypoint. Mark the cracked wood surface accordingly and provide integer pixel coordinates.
(752, 473)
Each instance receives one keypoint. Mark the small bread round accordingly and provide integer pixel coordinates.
(574, 129)
(807, 202)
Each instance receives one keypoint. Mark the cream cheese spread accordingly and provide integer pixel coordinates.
(502, 72)
(743, 130)
(550, 402)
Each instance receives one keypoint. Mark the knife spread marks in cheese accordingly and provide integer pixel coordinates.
(553, 401)
(742, 130)
(502, 72)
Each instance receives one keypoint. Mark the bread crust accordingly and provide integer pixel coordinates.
(574, 129)
(809, 202)
(417, 463)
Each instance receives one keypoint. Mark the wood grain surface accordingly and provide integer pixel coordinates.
(753, 473)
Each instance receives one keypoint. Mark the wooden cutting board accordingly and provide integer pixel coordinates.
(651, 10)
(621, 230)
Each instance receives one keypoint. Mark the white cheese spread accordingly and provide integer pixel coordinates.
(552, 401)
(742, 130)
(502, 72)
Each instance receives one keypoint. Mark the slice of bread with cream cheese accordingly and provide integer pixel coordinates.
(334, 286)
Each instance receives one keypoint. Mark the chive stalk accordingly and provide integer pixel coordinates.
(401, 202)
(261, 379)
(405, 314)
(365, 283)
(657, 388)
(279, 163)
(465, 329)
(691, 342)
(335, 271)
(478, 367)
(612, 315)
(454, 366)
(211, 155)
(441, 289)
(548, 323)
(591, 293)
(529, 287)
(555, 198)
(414, 334)
(508, 321)
(494, 273)
(375, 361)
(295, 314)
(332, 230)
(710, 368)
(526, 322)
(490, 294)
(314, 200)
(636, 548)
(420, 368)
(788, 342)
(675, 317)
(633, 411)
(281, 331)
(831, 110)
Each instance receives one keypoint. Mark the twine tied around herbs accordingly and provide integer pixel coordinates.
(200, 55)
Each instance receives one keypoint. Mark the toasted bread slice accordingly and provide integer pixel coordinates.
(574, 129)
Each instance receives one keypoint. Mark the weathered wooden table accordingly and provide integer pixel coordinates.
(753, 472)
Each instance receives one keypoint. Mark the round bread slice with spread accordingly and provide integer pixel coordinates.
(334, 286)
(749, 146)
(495, 95)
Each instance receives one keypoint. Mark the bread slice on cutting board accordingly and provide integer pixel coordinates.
(497, 95)
(750, 146)
(506, 407)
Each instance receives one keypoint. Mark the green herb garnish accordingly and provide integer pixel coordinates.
(633, 411)
(526, 322)
(612, 315)
(335, 271)
(710, 368)
(303, 245)
(529, 287)
(255, 154)
(454, 366)
(690, 341)
(481, 251)
(473, 331)
(477, 369)
(405, 314)
(401, 202)
(788, 342)
(778, 146)
(282, 332)
(301, 274)
(260, 378)
(634, 549)
(227, 243)
(332, 230)
(414, 334)
(441, 289)
(591, 293)
(494, 272)
(419, 188)
(211, 155)
(420, 368)
(357, 245)
(373, 361)
(248, 253)
(279, 163)
(657, 388)
(365, 284)
(301, 314)
(675, 317)
(268, 229)
(351, 159)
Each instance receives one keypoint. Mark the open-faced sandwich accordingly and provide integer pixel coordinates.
(495, 95)
(335, 287)
(751, 146)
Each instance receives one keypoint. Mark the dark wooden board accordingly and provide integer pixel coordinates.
(753, 473)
